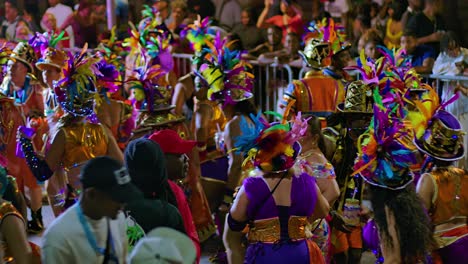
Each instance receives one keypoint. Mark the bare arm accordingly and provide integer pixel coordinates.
(434, 37)
(329, 189)
(179, 98)
(202, 122)
(426, 189)
(261, 19)
(56, 151)
(15, 235)
(66, 23)
(231, 131)
(232, 240)
(321, 207)
(113, 149)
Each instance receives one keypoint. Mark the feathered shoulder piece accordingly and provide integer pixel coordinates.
(382, 160)
(199, 33)
(41, 41)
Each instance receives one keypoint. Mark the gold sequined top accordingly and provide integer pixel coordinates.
(451, 195)
(268, 230)
(6, 208)
(83, 141)
(217, 119)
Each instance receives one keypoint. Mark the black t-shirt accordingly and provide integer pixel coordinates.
(422, 26)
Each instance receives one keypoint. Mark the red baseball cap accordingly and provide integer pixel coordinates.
(170, 142)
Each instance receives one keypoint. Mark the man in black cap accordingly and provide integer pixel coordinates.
(93, 230)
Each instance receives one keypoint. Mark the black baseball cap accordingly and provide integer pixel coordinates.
(109, 176)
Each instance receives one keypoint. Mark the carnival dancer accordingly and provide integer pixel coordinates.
(230, 85)
(14, 240)
(22, 85)
(317, 94)
(77, 139)
(383, 162)
(116, 115)
(116, 112)
(11, 119)
(312, 161)
(443, 188)
(51, 63)
(278, 202)
(340, 57)
(351, 120)
(198, 34)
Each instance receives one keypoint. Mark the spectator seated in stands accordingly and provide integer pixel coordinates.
(288, 54)
(274, 36)
(50, 25)
(369, 42)
(14, 28)
(422, 56)
(179, 18)
(428, 25)
(248, 32)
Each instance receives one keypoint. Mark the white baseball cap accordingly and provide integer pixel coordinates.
(164, 245)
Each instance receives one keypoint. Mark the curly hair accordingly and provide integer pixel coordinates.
(412, 222)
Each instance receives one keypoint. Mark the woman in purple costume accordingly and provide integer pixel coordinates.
(278, 203)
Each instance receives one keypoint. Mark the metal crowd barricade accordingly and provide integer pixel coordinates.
(270, 82)
(182, 63)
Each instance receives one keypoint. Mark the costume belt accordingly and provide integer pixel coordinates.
(269, 231)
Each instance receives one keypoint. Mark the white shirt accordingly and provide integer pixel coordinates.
(65, 240)
(61, 12)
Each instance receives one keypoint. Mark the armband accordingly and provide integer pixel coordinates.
(38, 166)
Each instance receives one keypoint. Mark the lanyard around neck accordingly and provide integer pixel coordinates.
(92, 239)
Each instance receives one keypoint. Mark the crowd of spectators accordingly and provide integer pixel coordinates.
(267, 31)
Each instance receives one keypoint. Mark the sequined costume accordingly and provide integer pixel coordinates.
(83, 141)
(30, 100)
(280, 234)
(214, 166)
(449, 203)
(11, 118)
(7, 209)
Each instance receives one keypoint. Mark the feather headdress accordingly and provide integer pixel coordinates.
(40, 42)
(272, 147)
(225, 73)
(145, 87)
(382, 160)
(75, 91)
(199, 33)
